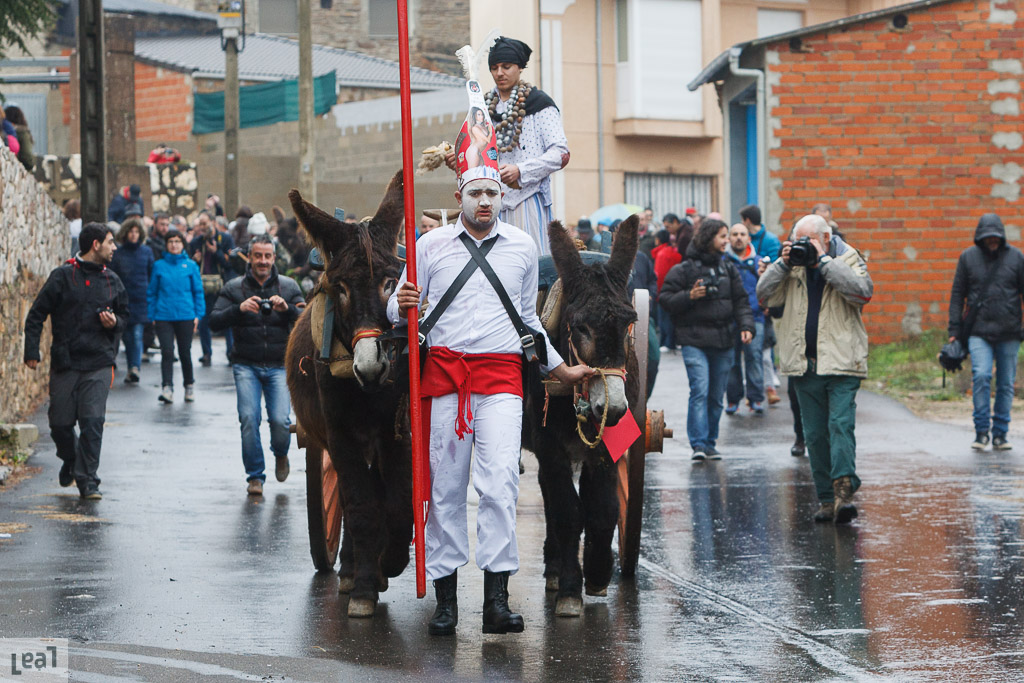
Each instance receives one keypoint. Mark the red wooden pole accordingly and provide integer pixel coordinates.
(420, 495)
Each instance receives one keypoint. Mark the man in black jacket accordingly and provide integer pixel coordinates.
(211, 248)
(260, 308)
(988, 286)
(88, 310)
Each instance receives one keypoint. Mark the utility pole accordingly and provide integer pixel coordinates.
(231, 22)
(307, 146)
(231, 121)
(91, 110)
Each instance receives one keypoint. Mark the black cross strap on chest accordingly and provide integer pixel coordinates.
(534, 347)
(446, 299)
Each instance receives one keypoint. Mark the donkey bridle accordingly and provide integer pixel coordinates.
(580, 389)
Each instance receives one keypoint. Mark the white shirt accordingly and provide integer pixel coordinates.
(475, 321)
(542, 150)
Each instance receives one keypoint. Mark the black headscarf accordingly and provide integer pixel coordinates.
(511, 51)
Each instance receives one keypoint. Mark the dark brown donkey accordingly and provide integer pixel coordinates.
(596, 315)
(360, 421)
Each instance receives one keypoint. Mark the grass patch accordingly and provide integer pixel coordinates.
(909, 366)
(909, 369)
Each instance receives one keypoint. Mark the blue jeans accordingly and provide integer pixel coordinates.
(983, 354)
(748, 357)
(665, 327)
(206, 337)
(132, 337)
(250, 382)
(708, 372)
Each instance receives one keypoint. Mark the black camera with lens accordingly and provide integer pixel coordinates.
(710, 284)
(266, 308)
(803, 253)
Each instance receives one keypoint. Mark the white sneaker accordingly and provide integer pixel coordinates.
(190, 394)
(167, 395)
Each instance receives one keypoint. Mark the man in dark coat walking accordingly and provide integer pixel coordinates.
(988, 286)
(261, 307)
(88, 310)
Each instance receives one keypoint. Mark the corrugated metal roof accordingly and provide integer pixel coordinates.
(273, 58)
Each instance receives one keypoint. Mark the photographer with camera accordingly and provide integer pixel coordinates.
(985, 316)
(260, 308)
(211, 248)
(705, 298)
(823, 284)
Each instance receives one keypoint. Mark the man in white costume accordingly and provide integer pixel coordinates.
(473, 378)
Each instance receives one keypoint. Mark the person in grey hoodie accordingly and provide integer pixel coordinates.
(987, 287)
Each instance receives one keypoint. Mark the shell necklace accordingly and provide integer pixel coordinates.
(507, 130)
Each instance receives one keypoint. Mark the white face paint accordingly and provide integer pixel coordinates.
(617, 403)
(481, 203)
(370, 366)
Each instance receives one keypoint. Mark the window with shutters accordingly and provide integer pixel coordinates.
(658, 50)
(279, 17)
(383, 18)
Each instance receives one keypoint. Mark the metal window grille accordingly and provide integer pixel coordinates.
(671, 193)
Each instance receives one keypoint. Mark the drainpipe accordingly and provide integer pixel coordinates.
(762, 108)
(600, 109)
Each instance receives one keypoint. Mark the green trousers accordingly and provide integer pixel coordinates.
(828, 408)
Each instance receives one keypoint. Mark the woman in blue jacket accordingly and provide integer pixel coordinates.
(176, 304)
(133, 263)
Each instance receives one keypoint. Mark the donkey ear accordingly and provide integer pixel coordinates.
(563, 251)
(391, 212)
(620, 264)
(325, 231)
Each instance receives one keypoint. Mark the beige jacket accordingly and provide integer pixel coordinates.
(842, 338)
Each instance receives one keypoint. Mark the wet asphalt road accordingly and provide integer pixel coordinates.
(178, 575)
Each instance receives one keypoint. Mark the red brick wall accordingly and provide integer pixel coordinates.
(163, 104)
(894, 128)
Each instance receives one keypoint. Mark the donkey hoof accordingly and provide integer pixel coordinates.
(568, 606)
(600, 592)
(551, 583)
(382, 584)
(361, 608)
(346, 584)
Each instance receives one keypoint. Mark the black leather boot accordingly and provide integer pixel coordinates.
(446, 616)
(498, 618)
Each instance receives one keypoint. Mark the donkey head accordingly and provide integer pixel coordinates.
(597, 311)
(362, 272)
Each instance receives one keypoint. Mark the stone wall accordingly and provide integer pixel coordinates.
(34, 240)
(172, 187)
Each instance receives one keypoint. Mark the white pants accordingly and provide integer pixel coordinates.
(496, 424)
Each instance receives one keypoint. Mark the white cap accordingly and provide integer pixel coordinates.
(258, 224)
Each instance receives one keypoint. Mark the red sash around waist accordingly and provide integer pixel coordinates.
(448, 372)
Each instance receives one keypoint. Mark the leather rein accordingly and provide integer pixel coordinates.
(581, 394)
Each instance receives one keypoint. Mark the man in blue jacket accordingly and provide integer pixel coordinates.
(747, 360)
(88, 310)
